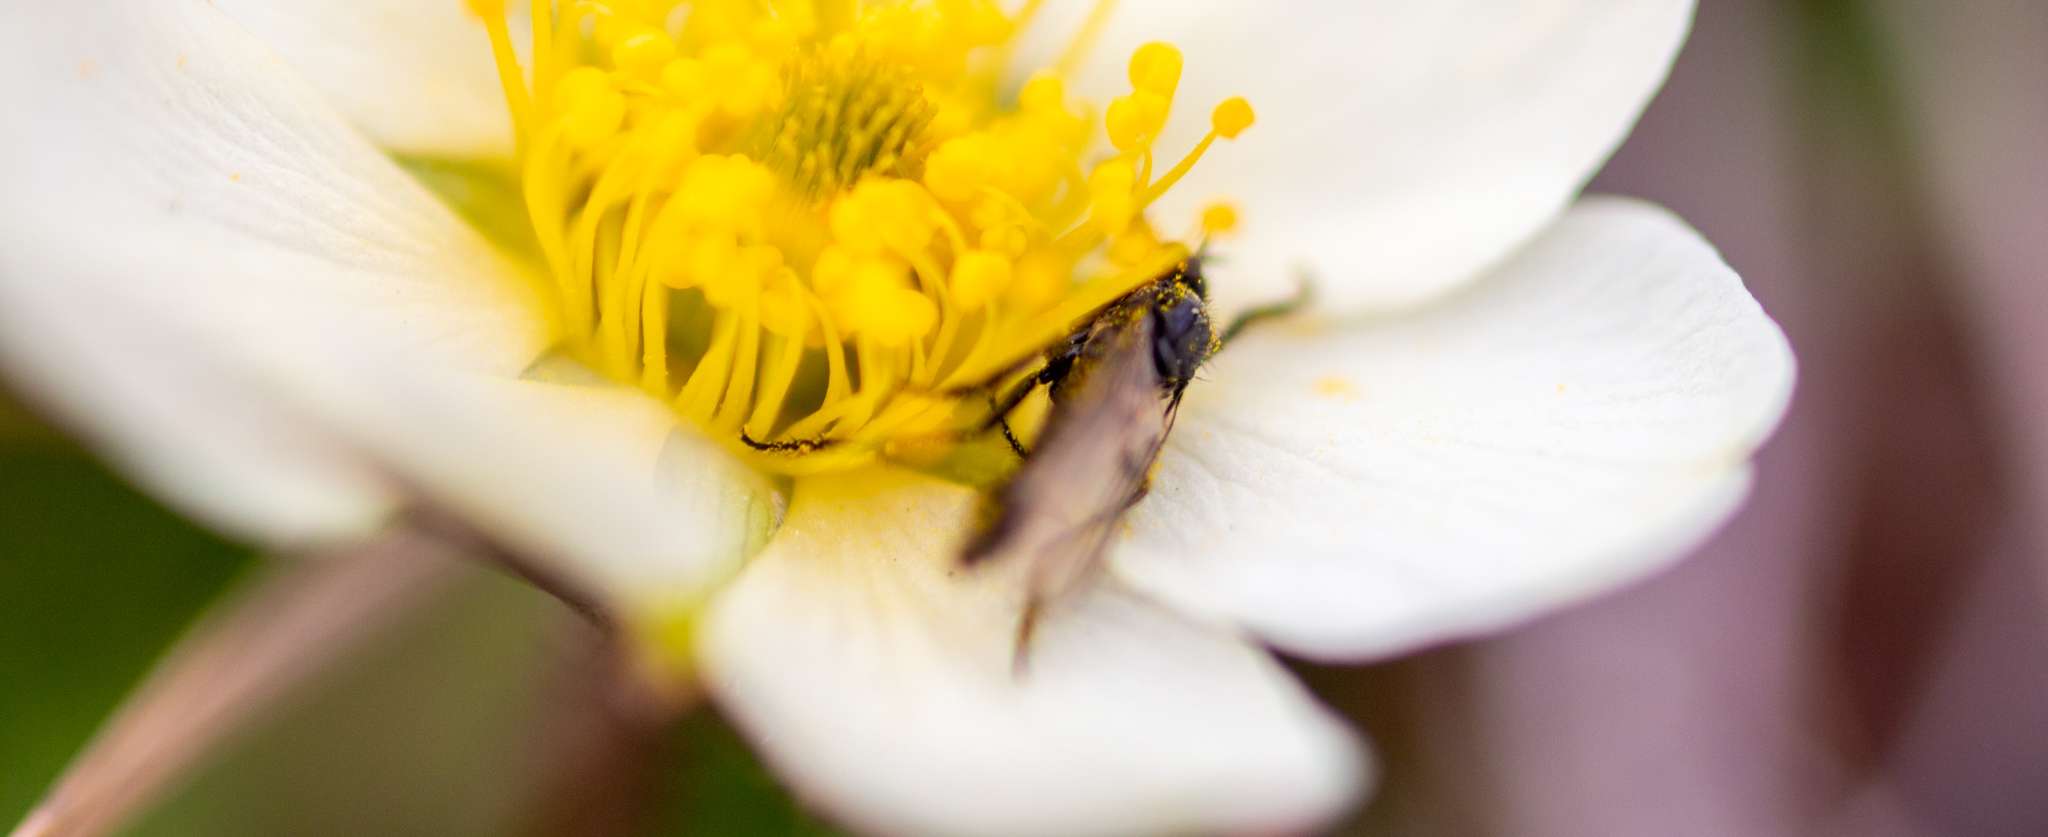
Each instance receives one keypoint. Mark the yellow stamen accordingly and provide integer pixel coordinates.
(809, 221)
(1219, 219)
(1229, 120)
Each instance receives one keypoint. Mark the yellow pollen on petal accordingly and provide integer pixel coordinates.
(813, 226)
(1336, 387)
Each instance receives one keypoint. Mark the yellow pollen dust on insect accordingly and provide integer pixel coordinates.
(810, 222)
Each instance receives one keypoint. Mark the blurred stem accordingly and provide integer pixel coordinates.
(1847, 71)
(233, 667)
(602, 747)
(589, 771)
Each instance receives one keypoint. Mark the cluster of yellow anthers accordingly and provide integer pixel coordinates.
(817, 221)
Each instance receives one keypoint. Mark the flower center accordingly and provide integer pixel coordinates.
(844, 115)
(820, 226)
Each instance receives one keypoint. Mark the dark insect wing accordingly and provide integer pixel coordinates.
(1057, 514)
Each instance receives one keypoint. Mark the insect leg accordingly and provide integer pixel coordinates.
(1302, 294)
(999, 410)
(791, 446)
(1010, 436)
(1057, 365)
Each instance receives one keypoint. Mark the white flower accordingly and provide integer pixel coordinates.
(1506, 402)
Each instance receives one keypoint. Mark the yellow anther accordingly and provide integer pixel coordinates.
(902, 315)
(975, 22)
(833, 271)
(643, 53)
(713, 259)
(674, 134)
(591, 108)
(990, 212)
(743, 85)
(960, 168)
(685, 78)
(724, 190)
(609, 27)
(578, 86)
(784, 310)
(1043, 93)
(762, 263)
(1134, 119)
(1006, 239)
(792, 23)
(1231, 117)
(1134, 246)
(1219, 219)
(878, 303)
(1155, 68)
(854, 225)
(1042, 276)
(906, 214)
(978, 277)
(951, 118)
(746, 270)
(879, 215)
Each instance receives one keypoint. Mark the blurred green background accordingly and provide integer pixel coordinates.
(94, 582)
(429, 729)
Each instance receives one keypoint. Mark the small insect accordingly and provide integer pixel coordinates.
(1115, 383)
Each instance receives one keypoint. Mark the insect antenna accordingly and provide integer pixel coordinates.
(1304, 292)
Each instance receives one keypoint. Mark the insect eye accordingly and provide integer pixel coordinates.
(1181, 340)
(1176, 320)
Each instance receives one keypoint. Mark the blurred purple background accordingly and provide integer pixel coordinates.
(1864, 651)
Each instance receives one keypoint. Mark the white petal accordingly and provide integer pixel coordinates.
(175, 199)
(1401, 146)
(231, 291)
(208, 441)
(1578, 418)
(878, 677)
(416, 75)
(598, 481)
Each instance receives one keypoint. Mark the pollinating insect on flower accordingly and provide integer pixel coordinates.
(822, 230)
(964, 395)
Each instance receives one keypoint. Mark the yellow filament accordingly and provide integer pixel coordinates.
(508, 65)
(785, 356)
(1231, 118)
(1084, 38)
(654, 346)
